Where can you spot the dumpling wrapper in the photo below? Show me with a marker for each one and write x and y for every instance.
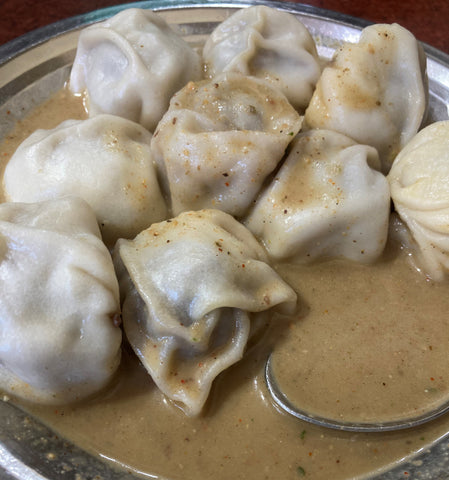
(190, 286)
(374, 91)
(59, 302)
(131, 64)
(419, 183)
(269, 44)
(219, 140)
(106, 160)
(326, 201)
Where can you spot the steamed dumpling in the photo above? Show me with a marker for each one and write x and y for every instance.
(59, 302)
(106, 160)
(419, 182)
(374, 91)
(131, 64)
(326, 201)
(269, 44)
(219, 140)
(190, 286)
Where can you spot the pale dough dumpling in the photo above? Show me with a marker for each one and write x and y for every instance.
(269, 44)
(325, 202)
(59, 302)
(106, 160)
(190, 287)
(131, 64)
(419, 182)
(374, 91)
(219, 140)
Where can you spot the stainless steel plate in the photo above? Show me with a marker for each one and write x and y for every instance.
(35, 66)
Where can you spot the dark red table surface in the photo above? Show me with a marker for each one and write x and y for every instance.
(428, 20)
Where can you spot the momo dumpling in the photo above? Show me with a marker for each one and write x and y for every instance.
(269, 44)
(419, 183)
(326, 201)
(219, 140)
(59, 302)
(374, 91)
(106, 160)
(131, 64)
(192, 287)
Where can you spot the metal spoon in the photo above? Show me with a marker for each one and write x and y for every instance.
(285, 404)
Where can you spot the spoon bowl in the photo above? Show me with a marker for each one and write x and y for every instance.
(282, 401)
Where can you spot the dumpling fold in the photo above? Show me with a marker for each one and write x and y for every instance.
(326, 201)
(106, 160)
(219, 140)
(374, 91)
(190, 288)
(59, 302)
(419, 182)
(131, 64)
(268, 44)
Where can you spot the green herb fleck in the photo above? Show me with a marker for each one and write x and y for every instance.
(291, 134)
(300, 471)
(303, 435)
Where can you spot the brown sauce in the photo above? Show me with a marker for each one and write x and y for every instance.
(373, 344)
(369, 342)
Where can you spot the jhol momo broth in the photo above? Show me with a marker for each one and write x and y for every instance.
(239, 434)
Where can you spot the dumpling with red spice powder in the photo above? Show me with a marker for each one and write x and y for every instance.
(194, 290)
(106, 160)
(326, 201)
(219, 140)
(374, 91)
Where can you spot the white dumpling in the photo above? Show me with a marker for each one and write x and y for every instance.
(326, 201)
(131, 64)
(219, 140)
(190, 285)
(269, 44)
(106, 160)
(374, 91)
(419, 182)
(59, 302)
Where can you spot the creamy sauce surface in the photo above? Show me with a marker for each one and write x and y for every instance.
(372, 345)
(368, 342)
